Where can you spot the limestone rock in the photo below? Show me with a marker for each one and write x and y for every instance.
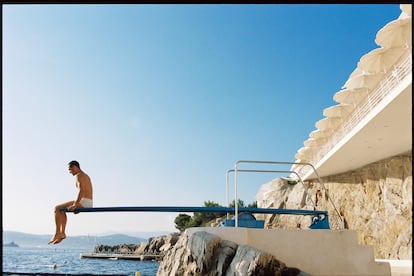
(115, 249)
(141, 248)
(169, 242)
(203, 247)
(192, 255)
(253, 262)
(154, 246)
(225, 255)
(202, 253)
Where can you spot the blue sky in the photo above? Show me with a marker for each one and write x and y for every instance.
(157, 102)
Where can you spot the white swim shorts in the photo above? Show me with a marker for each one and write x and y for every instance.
(86, 202)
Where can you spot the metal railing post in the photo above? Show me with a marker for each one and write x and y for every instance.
(227, 191)
(236, 198)
(277, 162)
(265, 171)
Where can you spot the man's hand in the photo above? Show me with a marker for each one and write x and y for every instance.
(72, 208)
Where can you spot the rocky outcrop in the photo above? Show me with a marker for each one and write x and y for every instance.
(375, 200)
(155, 246)
(202, 253)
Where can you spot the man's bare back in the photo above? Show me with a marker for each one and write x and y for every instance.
(84, 184)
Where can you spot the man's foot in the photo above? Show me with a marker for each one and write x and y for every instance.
(53, 239)
(59, 239)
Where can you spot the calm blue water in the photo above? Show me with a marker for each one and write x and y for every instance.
(42, 260)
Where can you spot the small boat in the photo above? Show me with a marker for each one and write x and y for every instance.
(11, 244)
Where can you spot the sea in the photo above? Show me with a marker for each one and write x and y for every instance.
(48, 260)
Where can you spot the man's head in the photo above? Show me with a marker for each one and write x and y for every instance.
(74, 167)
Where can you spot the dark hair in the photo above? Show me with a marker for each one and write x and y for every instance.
(74, 163)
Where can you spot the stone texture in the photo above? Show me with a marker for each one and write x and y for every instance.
(375, 200)
(155, 246)
(202, 253)
(192, 255)
(225, 255)
(252, 262)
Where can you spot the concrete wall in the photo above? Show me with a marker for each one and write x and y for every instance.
(317, 252)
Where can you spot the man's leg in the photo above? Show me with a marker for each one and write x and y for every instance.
(57, 223)
(63, 224)
(60, 220)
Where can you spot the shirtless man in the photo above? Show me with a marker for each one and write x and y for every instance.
(84, 199)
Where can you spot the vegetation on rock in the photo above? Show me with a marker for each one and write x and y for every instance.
(184, 221)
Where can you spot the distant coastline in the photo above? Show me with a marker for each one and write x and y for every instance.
(11, 244)
(85, 242)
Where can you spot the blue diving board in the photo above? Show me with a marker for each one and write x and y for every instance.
(197, 209)
(245, 219)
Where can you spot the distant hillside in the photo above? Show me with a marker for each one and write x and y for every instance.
(81, 242)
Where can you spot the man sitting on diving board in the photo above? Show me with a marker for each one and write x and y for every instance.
(84, 200)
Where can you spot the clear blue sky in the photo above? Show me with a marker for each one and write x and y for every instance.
(157, 102)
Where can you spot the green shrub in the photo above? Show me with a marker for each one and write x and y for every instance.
(184, 221)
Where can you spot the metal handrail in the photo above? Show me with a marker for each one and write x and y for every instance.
(236, 211)
(264, 171)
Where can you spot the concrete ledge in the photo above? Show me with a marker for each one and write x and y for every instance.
(399, 267)
(317, 252)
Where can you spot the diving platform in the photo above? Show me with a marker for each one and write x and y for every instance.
(244, 219)
(198, 209)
